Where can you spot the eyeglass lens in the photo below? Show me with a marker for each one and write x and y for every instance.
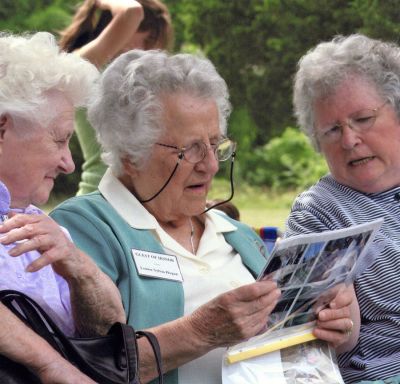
(198, 150)
(360, 122)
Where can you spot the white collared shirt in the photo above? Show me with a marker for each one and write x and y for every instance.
(215, 269)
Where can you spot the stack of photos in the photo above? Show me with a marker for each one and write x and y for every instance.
(309, 269)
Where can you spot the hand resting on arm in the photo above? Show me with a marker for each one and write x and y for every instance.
(93, 295)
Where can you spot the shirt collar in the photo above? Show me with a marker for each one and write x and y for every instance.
(136, 215)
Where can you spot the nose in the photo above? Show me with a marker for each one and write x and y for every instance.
(209, 164)
(350, 138)
(67, 165)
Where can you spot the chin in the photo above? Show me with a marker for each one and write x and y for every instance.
(41, 199)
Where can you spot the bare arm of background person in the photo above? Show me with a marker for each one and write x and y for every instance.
(126, 18)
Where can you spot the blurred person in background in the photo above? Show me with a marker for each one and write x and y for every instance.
(100, 31)
(228, 207)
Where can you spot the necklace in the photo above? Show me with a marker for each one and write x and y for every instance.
(192, 235)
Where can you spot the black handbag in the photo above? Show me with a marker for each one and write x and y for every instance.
(110, 359)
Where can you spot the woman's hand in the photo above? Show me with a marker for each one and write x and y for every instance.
(235, 315)
(95, 299)
(226, 320)
(339, 324)
(43, 234)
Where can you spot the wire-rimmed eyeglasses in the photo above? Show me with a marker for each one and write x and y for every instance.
(197, 151)
(360, 122)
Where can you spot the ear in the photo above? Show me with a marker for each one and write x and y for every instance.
(4, 122)
(128, 167)
(5, 125)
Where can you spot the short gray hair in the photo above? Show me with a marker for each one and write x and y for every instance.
(31, 65)
(126, 112)
(322, 69)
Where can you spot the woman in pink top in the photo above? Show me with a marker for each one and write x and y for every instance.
(40, 88)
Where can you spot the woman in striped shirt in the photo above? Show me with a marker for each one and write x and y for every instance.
(347, 100)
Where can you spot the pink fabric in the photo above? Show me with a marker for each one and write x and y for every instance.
(47, 288)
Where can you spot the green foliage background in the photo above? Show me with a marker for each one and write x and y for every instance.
(255, 44)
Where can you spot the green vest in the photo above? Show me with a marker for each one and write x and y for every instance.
(101, 232)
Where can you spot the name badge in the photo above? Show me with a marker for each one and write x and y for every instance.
(157, 265)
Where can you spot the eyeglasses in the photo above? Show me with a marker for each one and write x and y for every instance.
(197, 151)
(360, 122)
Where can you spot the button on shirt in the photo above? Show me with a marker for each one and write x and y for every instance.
(47, 288)
(215, 269)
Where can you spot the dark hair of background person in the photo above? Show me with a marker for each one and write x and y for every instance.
(89, 22)
(229, 208)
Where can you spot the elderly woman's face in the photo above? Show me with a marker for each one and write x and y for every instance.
(187, 119)
(32, 155)
(365, 155)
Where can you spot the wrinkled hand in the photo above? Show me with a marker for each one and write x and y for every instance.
(41, 233)
(62, 372)
(235, 315)
(335, 324)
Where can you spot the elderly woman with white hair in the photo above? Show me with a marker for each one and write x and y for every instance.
(186, 273)
(39, 89)
(347, 100)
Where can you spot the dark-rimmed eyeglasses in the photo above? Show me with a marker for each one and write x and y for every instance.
(197, 151)
(360, 122)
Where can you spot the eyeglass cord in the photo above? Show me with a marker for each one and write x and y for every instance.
(173, 173)
(232, 186)
(167, 182)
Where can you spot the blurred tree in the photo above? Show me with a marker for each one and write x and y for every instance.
(35, 15)
(255, 44)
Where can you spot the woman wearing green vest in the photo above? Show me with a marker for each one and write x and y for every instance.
(184, 272)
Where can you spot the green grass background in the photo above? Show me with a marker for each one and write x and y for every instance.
(258, 207)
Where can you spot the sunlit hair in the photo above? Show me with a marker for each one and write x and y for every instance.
(89, 21)
(31, 65)
(127, 111)
(324, 67)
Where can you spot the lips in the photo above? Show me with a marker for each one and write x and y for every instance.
(361, 161)
(193, 186)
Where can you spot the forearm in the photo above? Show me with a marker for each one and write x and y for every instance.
(116, 36)
(179, 344)
(119, 6)
(21, 344)
(95, 300)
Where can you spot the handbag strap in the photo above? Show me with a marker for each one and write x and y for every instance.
(34, 316)
(152, 339)
(130, 349)
(31, 314)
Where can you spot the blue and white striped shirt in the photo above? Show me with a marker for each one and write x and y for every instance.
(329, 205)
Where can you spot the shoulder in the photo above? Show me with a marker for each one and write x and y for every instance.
(327, 205)
(92, 202)
(85, 213)
(240, 227)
